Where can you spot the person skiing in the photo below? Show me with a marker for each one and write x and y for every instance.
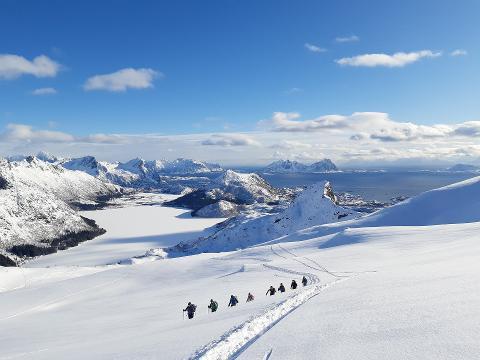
(233, 301)
(190, 309)
(250, 297)
(213, 305)
(304, 281)
(294, 285)
(271, 291)
(281, 288)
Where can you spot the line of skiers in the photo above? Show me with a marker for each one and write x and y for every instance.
(213, 306)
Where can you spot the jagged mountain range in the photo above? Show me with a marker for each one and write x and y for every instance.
(40, 195)
(288, 166)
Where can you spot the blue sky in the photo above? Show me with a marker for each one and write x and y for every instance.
(223, 66)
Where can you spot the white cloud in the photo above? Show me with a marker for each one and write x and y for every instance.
(459, 52)
(379, 139)
(364, 125)
(14, 66)
(314, 48)
(44, 91)
(26, 133)
(469, 128)
(122, 80)
(398, 59)
(230, 140)
(293, 90)
(343, 39)
(290, 145)
(287, 122)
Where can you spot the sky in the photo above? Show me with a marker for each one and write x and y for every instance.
(242, 82)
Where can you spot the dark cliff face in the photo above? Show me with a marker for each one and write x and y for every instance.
(3, 183)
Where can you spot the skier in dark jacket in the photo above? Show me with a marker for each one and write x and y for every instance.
(271, 291)
(250, 297)
(213, 305)
(190, 309)
(233, 301)
(294, 285)
(304, 281)
(281, 288)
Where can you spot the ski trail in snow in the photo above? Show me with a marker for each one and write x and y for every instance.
(321, 267)
(312, 279)
(61, 298)
(16, 356)
(268, 354)
(231, 344)
(276, 253)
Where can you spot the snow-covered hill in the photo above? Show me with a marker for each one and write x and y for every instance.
(247, 188)
(452, 204)
(314, 206)
(234, 189)
(34, 220)
(288, 166)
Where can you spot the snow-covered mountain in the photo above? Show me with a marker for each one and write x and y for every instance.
(315, 205)
(35, 218)
(73, 187)
(288, 166)
(233, 189)
(141, 173)
(246, 188)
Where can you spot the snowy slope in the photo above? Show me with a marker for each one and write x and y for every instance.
(383, 292)
(313, 206)
(452, 204)
(402, 293)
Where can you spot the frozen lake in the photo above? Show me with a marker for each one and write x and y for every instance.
(131, 230)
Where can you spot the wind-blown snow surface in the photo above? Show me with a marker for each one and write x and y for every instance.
(401, 292)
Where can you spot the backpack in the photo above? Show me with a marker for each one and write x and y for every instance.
(214, 306)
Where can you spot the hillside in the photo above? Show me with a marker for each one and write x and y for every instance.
(316, 205)
(35, 221)
(380, 293)
(453, 204)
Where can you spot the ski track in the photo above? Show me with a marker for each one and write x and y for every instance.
(235, 341)
(61, 298)
(321, 267)
(268, 353)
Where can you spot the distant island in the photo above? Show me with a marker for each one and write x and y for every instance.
(463, 168)
(288, 166)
